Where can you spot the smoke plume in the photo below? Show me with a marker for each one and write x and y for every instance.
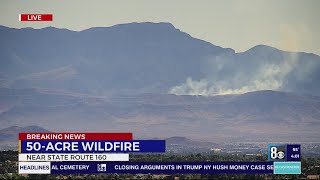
(241, 74)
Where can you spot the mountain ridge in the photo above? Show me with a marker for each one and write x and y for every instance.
(9, 135)
(258, 114)
(137, 58)
(141, 78)
(168, 24)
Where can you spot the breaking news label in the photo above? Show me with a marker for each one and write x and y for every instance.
(86, 153)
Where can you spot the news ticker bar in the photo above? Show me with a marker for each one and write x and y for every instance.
(73, 157)
(91, 146)
(160, 167)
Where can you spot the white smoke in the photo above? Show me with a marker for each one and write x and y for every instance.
(228, 77)
(192, 87)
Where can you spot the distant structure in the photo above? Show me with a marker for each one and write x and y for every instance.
(216, 150)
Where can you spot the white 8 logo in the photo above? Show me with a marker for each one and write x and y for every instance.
(273, 153)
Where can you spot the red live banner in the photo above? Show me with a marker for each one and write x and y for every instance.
(75, 136)
(35, 17)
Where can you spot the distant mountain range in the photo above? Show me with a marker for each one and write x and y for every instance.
(178, 140)
(269, 115)
(140, 58)
(145, 78)
(10, 135)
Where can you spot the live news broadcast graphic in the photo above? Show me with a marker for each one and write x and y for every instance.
(284, 152)
(92, 153)
(286, 158)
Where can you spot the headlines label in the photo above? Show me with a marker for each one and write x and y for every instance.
(34, 168)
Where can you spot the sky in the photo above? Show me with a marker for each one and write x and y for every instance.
(292, 25)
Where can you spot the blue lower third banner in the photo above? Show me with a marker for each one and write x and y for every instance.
(86, 146)
(148, 167)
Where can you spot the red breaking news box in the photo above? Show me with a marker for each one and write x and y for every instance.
(75, 136)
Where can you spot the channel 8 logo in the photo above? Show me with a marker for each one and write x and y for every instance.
(277, 152)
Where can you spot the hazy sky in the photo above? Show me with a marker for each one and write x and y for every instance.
(240, 24)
